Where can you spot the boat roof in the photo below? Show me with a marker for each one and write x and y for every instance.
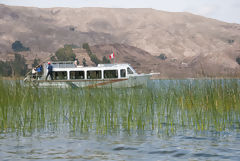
(69, 65)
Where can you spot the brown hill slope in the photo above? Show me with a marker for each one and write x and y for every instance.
(143, 61)
(189, 41)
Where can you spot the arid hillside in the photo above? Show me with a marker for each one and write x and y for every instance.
(193, 45)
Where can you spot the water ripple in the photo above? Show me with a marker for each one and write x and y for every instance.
(179, 155)
(163, 152)
(205, 155)
(124, 148)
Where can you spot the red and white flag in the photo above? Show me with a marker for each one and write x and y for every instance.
(112, 56)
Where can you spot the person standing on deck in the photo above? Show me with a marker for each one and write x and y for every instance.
(75, 63)
(50, 71)
(34, 72)
(39, 71)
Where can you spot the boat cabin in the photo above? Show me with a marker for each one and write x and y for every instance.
(68, 71)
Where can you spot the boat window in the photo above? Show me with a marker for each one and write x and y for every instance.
(94, 74)
(129, 71)
(76, 74)
(123, 72)
(110, 73)
(60, 75)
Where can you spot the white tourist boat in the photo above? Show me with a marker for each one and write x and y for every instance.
(66, 74)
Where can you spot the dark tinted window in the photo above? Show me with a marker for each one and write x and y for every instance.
(94, 74)
(129, 71)
(60, 75)
(77, 75)
(123, 72)
(110, 74)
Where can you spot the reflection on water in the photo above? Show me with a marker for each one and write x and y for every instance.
(169, 120)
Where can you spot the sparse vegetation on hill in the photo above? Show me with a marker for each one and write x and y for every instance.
(5, 69)
(35, 62)
(238, 60)
(84, 62)
(65, 54)
(17, 67)
(86, 47)
(72, 45)
(105, 60)
(17, 46)
(230, 41)
(53, 58)
(93, 57)
(162, 56)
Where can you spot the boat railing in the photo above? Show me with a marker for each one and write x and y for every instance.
(33, 77)
(63, 64)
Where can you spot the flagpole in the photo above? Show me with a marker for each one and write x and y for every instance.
(112, 57)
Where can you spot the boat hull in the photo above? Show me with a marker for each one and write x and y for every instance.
(133, 81)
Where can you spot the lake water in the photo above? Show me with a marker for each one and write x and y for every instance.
(59, 141)
(65, 146)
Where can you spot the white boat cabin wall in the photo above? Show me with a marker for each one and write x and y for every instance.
(68, 71)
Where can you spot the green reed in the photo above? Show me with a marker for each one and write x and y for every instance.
(164, 108)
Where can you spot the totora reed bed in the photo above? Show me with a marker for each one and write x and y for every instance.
(162, 108)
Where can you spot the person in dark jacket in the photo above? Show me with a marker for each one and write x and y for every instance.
(50, 71)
